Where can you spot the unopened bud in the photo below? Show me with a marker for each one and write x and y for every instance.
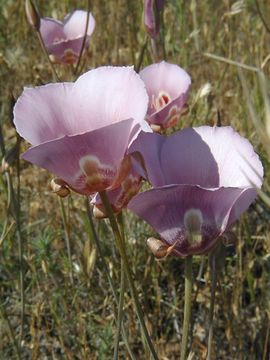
(32, 14)
(151, 18)
(99, 212)
(156, 128)
(54, 59)
(59, 187)
(158, 248)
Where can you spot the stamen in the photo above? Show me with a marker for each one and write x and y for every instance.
(160, 101)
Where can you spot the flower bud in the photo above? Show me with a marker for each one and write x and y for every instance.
(99, 212)
(156, 128)
(158, 248)
(32, 14)
(59, 187)
(151, 21)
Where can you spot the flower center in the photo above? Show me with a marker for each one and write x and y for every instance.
(193, 223)
(95, 175)
(160, 101)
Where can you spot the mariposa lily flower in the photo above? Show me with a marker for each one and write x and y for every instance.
(204, 178)
(64, 40)
(151, 16)
(167, 86)
(81, 131)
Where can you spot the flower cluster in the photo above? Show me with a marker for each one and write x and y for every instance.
(95, 134)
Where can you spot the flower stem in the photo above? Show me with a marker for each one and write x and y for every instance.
(122, 294)
(56, 77)
(187, 308)
(212, 306)
(121, 247)
(119, 312)
(84, 38)
(106, 270)
(67, 238)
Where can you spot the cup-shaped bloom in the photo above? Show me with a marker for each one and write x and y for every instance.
(204, 178)
(64, 40)
(151, 16)
(81, 131)
(167, 86)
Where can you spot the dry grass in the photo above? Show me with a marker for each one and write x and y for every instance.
(75, 321)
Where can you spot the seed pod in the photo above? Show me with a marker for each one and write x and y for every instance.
(59, 187)
(156, 128)
(99, 212)
(158, 248)
(32, 14)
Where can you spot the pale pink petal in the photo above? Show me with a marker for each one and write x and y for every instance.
(51, 31)
(99, 98)
(44, 113)
(205, 156)
(187, 159)
(241, 204)
(182, 158)
(75, 23)
(108, 95)
(165, 208)
(238, 164)
(84, 161)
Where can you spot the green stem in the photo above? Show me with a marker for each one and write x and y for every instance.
(212, 306)
(187, 308)
(122, 294)
(121, 247)
(141, 56)
(84, 38)
(107, 272)
(120, 312)
(56, 77)
(67, 237)
(154, 50)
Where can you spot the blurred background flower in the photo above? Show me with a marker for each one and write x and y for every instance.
(64, 40)
(167, 86)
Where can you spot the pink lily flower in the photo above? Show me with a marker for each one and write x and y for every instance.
(81, 131)
(204, 178)
(167, 86)
(64, 40)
